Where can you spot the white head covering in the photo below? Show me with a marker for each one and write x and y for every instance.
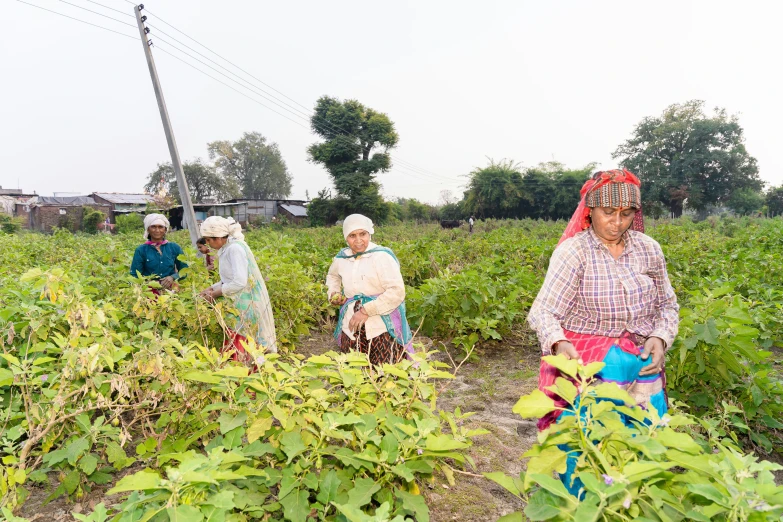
(154, 219)
(217, 226)
(357, 222)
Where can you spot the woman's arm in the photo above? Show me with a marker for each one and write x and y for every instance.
(667, 319)
(236, 276)
(388, 273)
(556, 298)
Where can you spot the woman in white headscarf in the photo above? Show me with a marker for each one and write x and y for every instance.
(242, 282)
(158, 257)
(366, 282)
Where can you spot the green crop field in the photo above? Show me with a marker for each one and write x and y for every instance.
(118, 406)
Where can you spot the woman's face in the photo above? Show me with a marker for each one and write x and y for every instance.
(204, 249)
(157, 232)
(358, 241)
(216, 243)
(610, 223)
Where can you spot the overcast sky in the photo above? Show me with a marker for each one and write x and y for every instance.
(462, 81)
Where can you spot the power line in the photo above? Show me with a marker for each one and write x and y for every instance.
(79, 20)
(396, 158)
(111, 8)
(96, 12)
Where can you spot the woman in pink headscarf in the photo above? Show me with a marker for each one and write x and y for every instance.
(607, 297)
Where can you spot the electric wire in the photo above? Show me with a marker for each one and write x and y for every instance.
(111, 8)
(96, 12)
(79, 20)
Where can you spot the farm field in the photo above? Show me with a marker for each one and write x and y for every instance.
(112, 400)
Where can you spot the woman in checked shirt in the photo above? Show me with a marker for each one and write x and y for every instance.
(607, 296)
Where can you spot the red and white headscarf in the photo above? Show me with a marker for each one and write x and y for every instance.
(608, 188)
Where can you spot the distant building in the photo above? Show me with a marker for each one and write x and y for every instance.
(266, 209)
(293, 213)
(204, 210)
(122, 203)
(45, 213)
(10, 192)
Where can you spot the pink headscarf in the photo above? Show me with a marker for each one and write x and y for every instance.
(581, 219)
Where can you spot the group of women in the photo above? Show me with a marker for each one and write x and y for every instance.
(606, 296)
(364, 280)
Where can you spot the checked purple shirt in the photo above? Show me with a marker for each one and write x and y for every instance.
(589, 292)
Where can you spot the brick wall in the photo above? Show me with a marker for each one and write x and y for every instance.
(45, 218)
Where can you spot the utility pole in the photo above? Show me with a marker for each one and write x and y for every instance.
(189, 216)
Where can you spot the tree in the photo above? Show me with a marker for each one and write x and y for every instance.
(256, 167)
(745, 201)
(552, 190)
(351, 132)
(686, 156)
(494, 191)
(203, 180)
(774, 201)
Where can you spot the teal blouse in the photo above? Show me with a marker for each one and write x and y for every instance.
(149, 262)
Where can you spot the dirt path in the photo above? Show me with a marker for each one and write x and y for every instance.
(489, 385)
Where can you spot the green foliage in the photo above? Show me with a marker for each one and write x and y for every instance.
(90, 219)
(684, 154)
(774, 201)
(745, 201)
(351, 132)
(129, 223)
(10, 224)
(204, 182)
(251, 166)
(634, 465)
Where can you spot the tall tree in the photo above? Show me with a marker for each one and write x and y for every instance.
(495, 191)
(257, 167)
(355, 149)
(552, 190)
(203, 180)
(745, 201)
(686, 155)
(774, 201)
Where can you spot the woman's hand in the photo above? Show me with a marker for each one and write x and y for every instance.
(653, 347)
(338, 299)
(208, 295)
(167, 282)
(567, 350)
(358, 320)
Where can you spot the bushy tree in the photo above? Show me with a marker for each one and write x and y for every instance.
(495, 191)
(203, 180)
(90, 219)
(355, 149)
(254, 167)
(745, 201)
(774, 201)
(687, 155)
(129, 223)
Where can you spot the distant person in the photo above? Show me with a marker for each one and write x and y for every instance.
(157, 256)
(202, 246)
(365, 281)
(242, 282)
(470, 223)
(607, 298)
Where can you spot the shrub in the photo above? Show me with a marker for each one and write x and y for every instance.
(129, 223)
(90, 219)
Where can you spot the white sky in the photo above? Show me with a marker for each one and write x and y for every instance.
(529, 81)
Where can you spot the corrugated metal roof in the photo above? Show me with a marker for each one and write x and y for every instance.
(125, 199)
(65, 201)
(295, 210)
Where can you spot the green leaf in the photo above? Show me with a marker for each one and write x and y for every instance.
(362, 492)
(414, 504)
(401, 470)
(569, 367)
(444, 442)
(534, 405)
(565, 389)
(229, 422)
(709, 492)
(390, 445)
(555, 487)
(609, 390)
(142, 480)
(202, 377)
(88, 463)
(292, 444)
(330, 483)
(6, 377)
(537, 512)
(296, 506)
(76, 449)
(72, 481)
(504, 480)
(681, 441)
(517, 517)
(185, 513)
(258, 428)
(638, 471)
(550, 459)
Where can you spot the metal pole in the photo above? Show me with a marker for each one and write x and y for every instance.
(189, 216)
